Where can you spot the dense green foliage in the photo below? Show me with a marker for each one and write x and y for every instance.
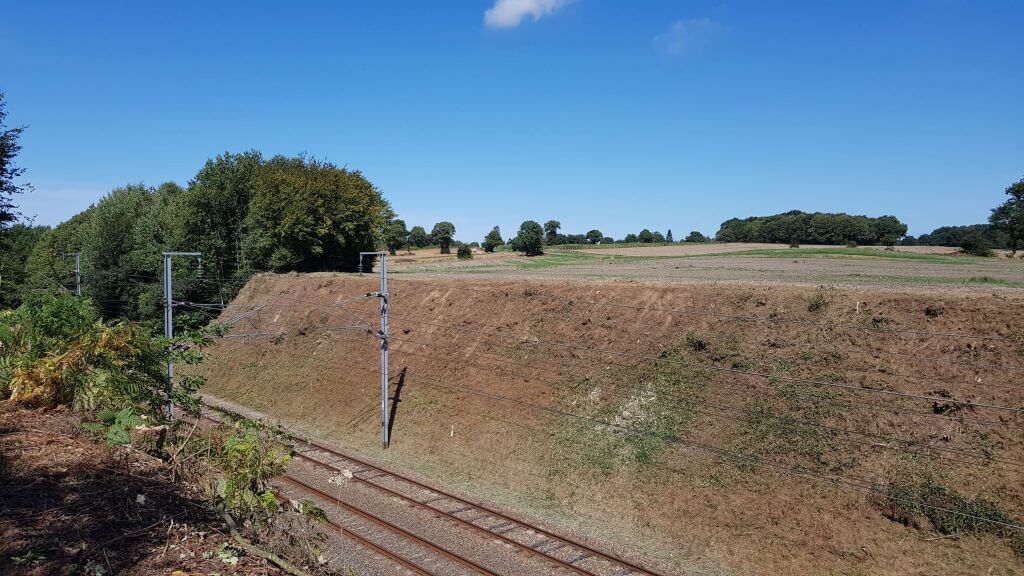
(307, 215)
(696, 236)
(443, 234)
(955, 236)
(243, 213)
(396, 236)
(492, 240)
(551, 228)
(976, 245)
(9, 148)
(56, 350)
(594, 236)
(1008, 217)
(645, 236)
(816, 228)
(464, 252)
(16, 244)
(418, 237)
(530, 240)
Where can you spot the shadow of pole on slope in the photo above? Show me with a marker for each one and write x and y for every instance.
(395, 399)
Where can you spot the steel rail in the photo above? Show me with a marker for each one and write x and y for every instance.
(592, 552)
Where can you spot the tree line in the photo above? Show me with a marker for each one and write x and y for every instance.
(796, 227)
(243, 212)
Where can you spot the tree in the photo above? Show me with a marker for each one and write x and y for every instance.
(645, 236)
(658, 237)
(816, 228)
(607, 240)
(976, 245)
(530, 240)
(1008, 217)
(668, 236)
(210, 215)
(551, 228)
(465, 252)
(9, 148)
(396, 236)
(418, 237)
(443, 233)
(309, 215)
(594, 236)
(492, 240)
(16, 245)
(696, 236)
(630, 239)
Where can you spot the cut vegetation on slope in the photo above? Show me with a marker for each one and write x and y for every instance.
(758, 429)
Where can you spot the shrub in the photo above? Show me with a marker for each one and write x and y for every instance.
(249, 456)
(851, 244)
(696, 343)
(821, 300)
(976, 245)
(464, 252)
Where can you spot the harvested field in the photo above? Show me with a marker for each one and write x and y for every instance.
(860, 268)
(724, 429)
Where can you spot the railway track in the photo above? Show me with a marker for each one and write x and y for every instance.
(563, 554)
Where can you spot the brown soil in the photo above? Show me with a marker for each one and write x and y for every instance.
(73, 506)
(592, 349)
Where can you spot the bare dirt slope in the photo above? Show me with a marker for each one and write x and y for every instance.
(713, 428)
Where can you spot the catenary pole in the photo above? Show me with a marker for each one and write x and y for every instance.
(385, 437)
(78, 271)
(169, 320)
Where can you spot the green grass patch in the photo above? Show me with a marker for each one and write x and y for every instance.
(790, 422)
(636, 412)
(915, 496)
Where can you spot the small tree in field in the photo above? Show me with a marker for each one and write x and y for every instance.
(530, 240)
(976, 245)
(696, 236)
(418, 237)
(645, 236)
(396, 236)
(658, 237)
(551, 228)
(668, 236)
(464, 252)
(492, 240)
(594, 236)
(443, 233)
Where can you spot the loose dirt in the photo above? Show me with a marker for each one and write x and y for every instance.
(69, 505)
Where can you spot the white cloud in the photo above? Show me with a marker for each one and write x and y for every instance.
(685, 36)
(509, 13)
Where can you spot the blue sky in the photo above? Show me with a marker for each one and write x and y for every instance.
(598, 113)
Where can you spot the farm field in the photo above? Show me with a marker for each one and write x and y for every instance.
(923, 267)
(747, 414)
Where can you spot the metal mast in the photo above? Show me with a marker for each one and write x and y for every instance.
(78, 271)
(383, 335)
(169, 320)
